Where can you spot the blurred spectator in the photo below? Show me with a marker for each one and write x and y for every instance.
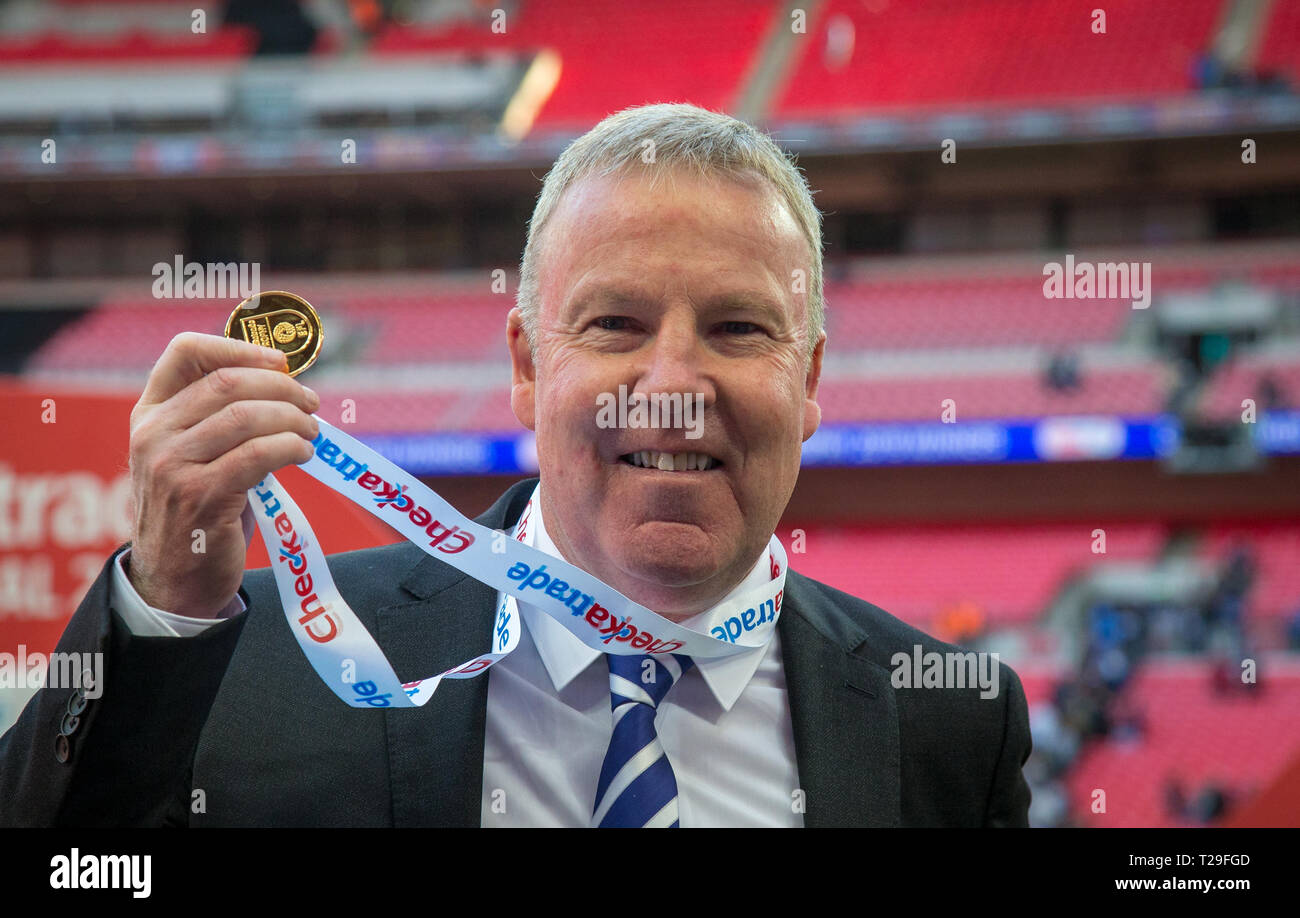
(1209, 805)
(1113, 668)
(1208, 72)
(1055, 745)
(838, 50)
(1105, 630)
(1049, 807)
(1130, 722)
(1223, 610)
(282, 26)
(1238, 573)
(1063, 372)
(1222, 677)
(1083, 709)
(1271, 396)
(1175, 799)
(960, 623)
(1293, 631)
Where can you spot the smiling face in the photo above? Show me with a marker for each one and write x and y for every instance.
(686, 287)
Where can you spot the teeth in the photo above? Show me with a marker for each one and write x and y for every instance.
(671, 462)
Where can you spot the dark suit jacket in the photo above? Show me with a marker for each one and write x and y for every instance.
(238, 714)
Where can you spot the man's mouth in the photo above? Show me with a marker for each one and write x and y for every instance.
(670, 462)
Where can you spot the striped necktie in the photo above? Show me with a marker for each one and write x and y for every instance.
(637, 788)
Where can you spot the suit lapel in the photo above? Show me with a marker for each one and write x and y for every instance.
(843, 712)
(435, 753)
(842, 707)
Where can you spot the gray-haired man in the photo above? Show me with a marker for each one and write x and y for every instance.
(673, 250)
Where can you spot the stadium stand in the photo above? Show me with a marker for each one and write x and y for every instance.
(1274, 549)
(138, 331)
(616, 58)
(931, 52)
(424, 329)
(1192, 735)
(1011, 572)
(1271, 379)
(1135, 391)
(914, 303)
(53, 48)
(921, 312)
(1279, 50)
(905, 335)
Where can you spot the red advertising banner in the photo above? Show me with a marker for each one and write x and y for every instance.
(65, 504)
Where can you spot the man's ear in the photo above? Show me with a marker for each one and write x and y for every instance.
(812, 412)
(523, 372)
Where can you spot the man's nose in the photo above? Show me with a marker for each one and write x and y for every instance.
(676, 360)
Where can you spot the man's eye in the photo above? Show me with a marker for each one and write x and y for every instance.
(740, 328)
(611, 323)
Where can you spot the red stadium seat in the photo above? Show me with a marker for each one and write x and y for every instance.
(1275, 550)
(1137, 391)
(228, 42)
(1245, 378)
(1193, 735)
(945, 52)
(615, 58)
(1012, 572)
(1279, 50)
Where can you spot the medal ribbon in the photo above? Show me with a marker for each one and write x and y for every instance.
(350, 661)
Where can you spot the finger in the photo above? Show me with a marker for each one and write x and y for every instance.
(249, 524)
(191, 355)
(251, 461)
(239, 421)
(226, 385)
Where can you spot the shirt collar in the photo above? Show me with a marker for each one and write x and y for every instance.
(564, 656)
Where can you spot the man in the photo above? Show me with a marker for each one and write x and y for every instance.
(672, 250)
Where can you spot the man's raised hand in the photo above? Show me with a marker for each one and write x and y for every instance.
(216, 417)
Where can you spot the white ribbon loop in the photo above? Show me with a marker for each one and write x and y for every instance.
(351, 663)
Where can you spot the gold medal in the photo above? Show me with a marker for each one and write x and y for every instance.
(280, 320)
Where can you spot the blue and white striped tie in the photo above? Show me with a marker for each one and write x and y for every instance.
(637, 788)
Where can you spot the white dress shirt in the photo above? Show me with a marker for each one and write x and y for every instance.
(725, 726)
